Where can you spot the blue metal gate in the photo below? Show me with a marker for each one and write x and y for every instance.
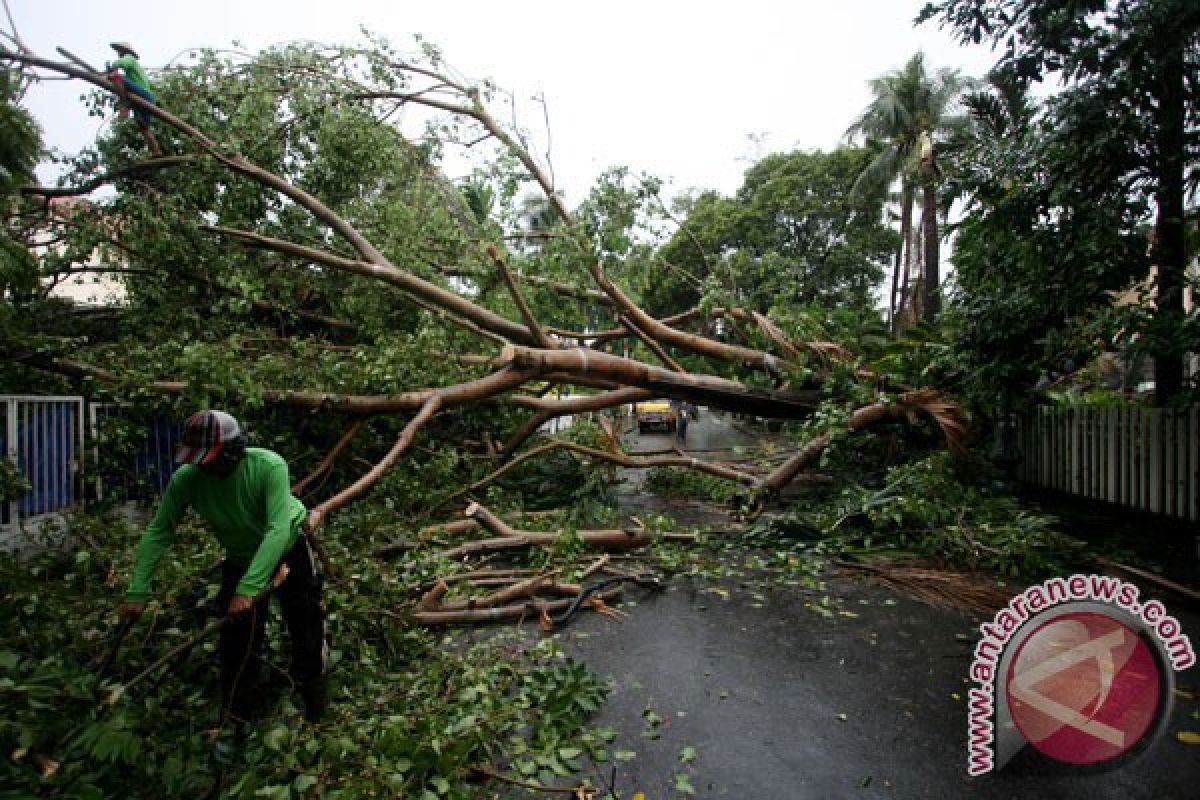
(42, 437)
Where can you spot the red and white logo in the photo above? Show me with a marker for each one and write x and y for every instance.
(1084, 688)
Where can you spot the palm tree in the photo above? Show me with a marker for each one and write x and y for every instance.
(910, 112)
(480, 198)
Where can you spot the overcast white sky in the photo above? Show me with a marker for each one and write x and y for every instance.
(672, 88)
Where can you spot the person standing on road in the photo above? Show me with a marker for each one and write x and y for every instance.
(244, 495)
(681, 425)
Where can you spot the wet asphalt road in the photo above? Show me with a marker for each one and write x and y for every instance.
(780, 701)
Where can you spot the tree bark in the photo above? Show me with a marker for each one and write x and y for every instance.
(931, 304)
(1170, 243)
(906, 209)
(702, 389)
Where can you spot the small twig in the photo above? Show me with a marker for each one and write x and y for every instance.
(535, 787)
(597, 565)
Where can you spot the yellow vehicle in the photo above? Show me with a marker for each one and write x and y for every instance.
(655, 414)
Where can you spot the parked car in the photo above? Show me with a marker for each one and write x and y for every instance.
(654, 414)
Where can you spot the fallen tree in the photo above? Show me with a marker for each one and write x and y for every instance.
(282, 232)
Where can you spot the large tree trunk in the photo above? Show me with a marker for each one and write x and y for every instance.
(902, 253)
(931, 290)
(1170, 246)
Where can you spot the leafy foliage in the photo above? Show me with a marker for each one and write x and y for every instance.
(793, 235)
(931, 508)
(1122, 133)
(412, 713)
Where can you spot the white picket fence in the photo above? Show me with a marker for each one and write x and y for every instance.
(1146, 459)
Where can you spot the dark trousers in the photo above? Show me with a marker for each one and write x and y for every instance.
(241, 640)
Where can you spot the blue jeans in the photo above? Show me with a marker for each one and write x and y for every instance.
(143, 119)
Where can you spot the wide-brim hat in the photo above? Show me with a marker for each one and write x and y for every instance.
(205, 435)
(123, 48)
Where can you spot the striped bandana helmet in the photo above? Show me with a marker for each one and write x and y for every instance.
(205, 435)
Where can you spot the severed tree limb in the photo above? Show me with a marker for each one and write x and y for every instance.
(433, 598)
(529, 587)
(330, 458)
(528, 428)
(532, 609)
(509, 538)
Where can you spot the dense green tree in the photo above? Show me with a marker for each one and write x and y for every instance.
(793, 235)
(20, 149)
(1035, 259)
(911, 112)
(1131, 70)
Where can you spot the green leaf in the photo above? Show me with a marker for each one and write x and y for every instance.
(304, 782)
(687, 755)
(276, 737)
(684, 784)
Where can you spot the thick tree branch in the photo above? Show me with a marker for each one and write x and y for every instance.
(946, 415)
(526, 312)
(654, 346)
(703, 389)
(149, 165)
(360, 486)
(235, 162)
(458, 394)
(509, 538)
(406, 281)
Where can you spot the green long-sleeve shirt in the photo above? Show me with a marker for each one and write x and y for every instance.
(252, 512)
(133, 71)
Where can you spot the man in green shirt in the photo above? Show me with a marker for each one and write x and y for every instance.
(127, 73)
(244, 495)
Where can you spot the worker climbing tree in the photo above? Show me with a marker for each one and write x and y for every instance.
(127, 73)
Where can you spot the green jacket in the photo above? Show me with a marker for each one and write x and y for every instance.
(252, 512)
(133, 71)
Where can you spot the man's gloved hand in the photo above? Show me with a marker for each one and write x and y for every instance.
(131, 610)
